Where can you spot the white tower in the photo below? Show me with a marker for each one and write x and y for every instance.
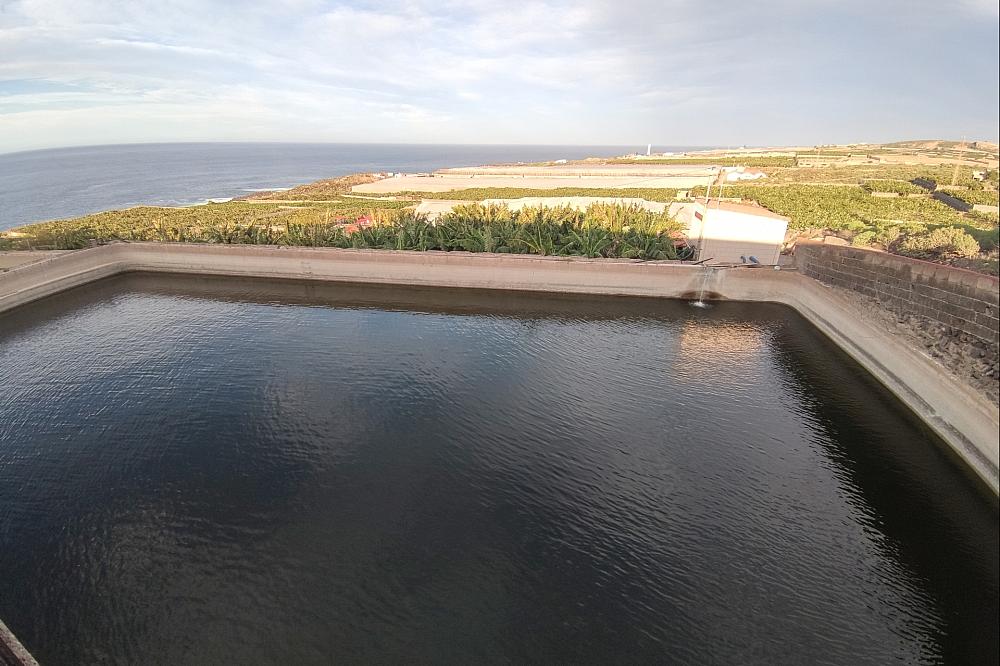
(649, 149)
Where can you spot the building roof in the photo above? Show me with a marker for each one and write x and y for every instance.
(744, 207)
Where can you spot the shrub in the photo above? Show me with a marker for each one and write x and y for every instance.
(942, 242)
(989, 239)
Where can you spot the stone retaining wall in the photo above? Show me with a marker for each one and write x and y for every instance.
(962, 300)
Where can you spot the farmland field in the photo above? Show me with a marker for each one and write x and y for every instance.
(835, 200)
(602, 230)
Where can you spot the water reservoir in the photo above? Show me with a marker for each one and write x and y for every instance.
(214, 470)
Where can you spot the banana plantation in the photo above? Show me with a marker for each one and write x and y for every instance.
(602, 230)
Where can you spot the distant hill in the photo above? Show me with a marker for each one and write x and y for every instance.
(933, 144)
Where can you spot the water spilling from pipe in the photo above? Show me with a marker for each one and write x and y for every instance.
(700, 303)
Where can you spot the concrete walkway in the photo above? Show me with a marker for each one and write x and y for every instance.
(9, 260)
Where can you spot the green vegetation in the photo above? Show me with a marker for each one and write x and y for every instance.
(974, 197)
(856, 174)
(984, 228)
(830, 199)
(984, 220)
(988, 239)
(944, 175)
(934, 243)
(924, 144)
(852, 208)
(901, 187)
(600, 231)
(709, 160)
(918, 227)
(321, 190)
(943, 242)
(205, 224)
(483, 193)
(827, 153)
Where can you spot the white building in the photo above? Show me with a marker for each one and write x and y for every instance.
(730, 233)
(736, 174)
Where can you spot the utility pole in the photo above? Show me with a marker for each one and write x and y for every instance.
(954, 175)
(702, 217)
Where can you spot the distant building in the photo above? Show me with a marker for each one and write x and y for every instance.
(742, 173)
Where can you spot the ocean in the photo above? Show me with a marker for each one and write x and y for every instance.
(66, 182)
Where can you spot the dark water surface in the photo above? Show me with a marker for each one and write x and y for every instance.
(65, 182)
(212, 471)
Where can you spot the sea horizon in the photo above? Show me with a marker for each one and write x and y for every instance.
(656, 147)
(55, 183)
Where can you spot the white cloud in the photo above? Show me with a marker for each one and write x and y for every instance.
(591, 71)
(157, 46)
(983, 7)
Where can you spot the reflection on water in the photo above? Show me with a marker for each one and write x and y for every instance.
(215, 471)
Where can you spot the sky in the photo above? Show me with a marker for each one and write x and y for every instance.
(667, 72)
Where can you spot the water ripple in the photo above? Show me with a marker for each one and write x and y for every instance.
(196, 472)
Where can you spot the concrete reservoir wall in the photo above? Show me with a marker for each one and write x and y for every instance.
(964, 419)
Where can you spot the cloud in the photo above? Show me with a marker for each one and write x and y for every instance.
(983, 7)
(157, 46)
(547, 71)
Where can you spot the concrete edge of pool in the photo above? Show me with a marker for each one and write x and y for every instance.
(961, 417)
(12, 653)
